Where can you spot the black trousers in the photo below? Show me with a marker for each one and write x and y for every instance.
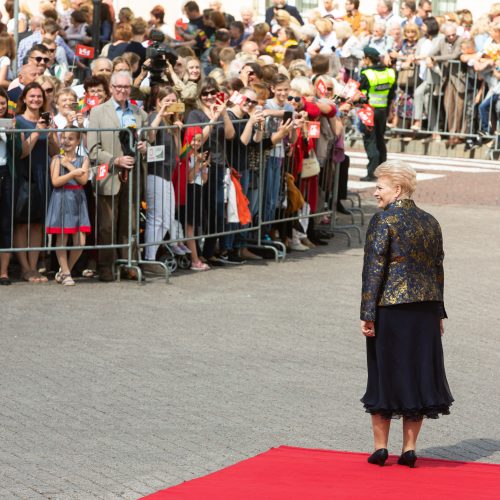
(373, 140)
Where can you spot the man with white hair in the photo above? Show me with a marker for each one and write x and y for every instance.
(113, 202)
(385, 12)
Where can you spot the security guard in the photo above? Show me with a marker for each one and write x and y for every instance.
(377, 82)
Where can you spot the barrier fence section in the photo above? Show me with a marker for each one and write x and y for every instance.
(189, 191)
(451, 100)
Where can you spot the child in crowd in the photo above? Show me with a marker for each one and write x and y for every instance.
(189, 179)
(67, 213)
(274, 110)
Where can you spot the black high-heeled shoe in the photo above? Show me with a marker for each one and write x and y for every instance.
(378, 457)
(408, 458)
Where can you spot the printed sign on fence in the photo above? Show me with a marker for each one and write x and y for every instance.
(313, 129)
(84, 51)
(102, 171)
(156, 153)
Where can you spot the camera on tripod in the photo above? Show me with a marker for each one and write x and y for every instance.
(159, 54)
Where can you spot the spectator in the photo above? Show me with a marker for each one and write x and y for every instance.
(385, 12)
(424, 9)
(208, 115)
(121, 38)
(50, 86)
(325, 41)
(247, 20)
(27, 74)
(353, 16)
(160, 195)
(448, 49)
(76, 32)
(157, 21)
(216, 5)
(7, 52)
(429, 78)
(113, 200)
(37, 148)
(282, 5)
(409, 13)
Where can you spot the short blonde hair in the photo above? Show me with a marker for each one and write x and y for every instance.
(400, 174)
(302, 85)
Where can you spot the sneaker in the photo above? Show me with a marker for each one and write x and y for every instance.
(199, 266)
(177, 250)
(267, 238)
(184, 248)
(298, 247)
(234, 258)
(230, 258)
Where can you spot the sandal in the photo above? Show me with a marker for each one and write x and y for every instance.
(67, 280)
(88, 273)
(31, 276)
(41, 278)
(199, 266)
(58, 277)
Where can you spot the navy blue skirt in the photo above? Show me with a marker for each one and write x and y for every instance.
(406, 374)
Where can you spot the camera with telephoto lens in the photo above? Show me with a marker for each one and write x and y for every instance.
(159, 54)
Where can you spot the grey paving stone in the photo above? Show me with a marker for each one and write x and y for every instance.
(116, 391)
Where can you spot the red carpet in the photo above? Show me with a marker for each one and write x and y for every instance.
(287, 473)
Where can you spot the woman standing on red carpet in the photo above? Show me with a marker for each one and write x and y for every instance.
(402, 313)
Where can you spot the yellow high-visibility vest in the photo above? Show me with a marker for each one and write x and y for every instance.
(380, 82)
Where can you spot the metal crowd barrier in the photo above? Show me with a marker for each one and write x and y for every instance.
(445, 103)
(137, 216)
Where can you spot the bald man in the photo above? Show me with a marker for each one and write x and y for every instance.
(27, 74)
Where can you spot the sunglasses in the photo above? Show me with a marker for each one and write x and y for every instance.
(251, 102)
(206, 93)
(292, 98)
(49, 90)
(52, 51)
(39, 59)
(330, 89)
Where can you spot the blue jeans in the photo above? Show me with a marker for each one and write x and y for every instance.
(272, 184)
(487, 112)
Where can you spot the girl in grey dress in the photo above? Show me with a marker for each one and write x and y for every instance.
(68, 213)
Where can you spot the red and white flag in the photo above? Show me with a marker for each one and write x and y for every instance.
(237, 98)
(102, 171)
(313, 129)
(84, 51)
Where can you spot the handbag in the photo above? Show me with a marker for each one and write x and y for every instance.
(310, 166)
(406, 76)
(29, 207)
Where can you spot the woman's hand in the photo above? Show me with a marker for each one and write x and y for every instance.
(368, 328)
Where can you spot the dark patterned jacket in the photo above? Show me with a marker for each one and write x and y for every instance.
(403, 260)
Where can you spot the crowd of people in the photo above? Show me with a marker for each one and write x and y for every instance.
(209, 92)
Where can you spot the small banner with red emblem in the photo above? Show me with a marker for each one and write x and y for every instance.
(102, 171)
(367, 115)
(321, 87)
(84, 51)
(313, 129)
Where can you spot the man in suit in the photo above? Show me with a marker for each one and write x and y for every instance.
(113, 194)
